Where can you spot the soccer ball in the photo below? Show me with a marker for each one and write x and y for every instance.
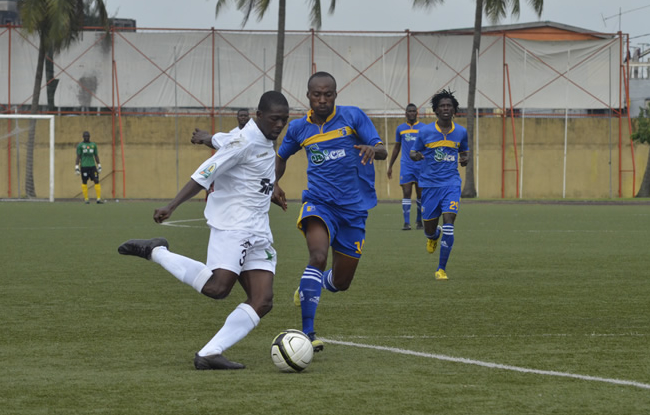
(291, 351)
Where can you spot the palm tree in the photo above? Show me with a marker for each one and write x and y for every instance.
(260, 7)
(58, 23)
(495, 10)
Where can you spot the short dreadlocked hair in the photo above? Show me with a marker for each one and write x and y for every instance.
(435, 100)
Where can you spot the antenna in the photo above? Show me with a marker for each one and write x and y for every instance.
(619, 14)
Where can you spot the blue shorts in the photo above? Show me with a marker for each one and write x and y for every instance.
(439, 200)
(409, 174)
(346, 228)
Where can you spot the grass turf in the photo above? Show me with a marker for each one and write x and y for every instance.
(558, 288)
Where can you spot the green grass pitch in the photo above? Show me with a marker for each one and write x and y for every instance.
(547, 290)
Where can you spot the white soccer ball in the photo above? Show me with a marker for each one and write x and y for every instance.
(291, 351)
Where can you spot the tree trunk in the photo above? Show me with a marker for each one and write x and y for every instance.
(279, 52)
(30, 190)
(469, 190)
(644, 190)
(50, 81)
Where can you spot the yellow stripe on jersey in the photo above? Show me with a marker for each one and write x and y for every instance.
(443, 143)
(331, 135)
(408, 131)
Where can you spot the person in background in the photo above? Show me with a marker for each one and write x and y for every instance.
(88, 166)
(405, 136)
(442, 146)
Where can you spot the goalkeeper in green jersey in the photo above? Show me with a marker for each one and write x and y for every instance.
(87, 165)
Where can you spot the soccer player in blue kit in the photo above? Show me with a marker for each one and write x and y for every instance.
(442, 145)
(405, 136)
(340, 143)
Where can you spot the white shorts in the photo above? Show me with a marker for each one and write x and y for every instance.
(240, 251)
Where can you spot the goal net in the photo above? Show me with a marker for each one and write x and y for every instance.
(27, 168)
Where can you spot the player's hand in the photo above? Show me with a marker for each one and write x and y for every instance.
(464, 158)
(76, 170)
(162, 214)
(389, 172)
(279, 197)
(200, 136)
(416, 155)
(367, 153)
(99, 168)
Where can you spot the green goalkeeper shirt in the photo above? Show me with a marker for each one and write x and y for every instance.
(87, 152)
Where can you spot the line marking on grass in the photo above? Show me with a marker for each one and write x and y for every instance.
(491, 365)
(177, 223)
(491, 336)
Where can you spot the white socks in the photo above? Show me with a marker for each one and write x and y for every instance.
(239, 323)
(187, 270)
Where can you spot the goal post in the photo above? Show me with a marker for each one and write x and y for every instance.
(51, 152)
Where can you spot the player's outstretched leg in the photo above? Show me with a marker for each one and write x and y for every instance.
(141, 247)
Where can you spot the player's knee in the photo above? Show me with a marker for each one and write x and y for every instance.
(342, 285)
(216, 289)
(318, 259)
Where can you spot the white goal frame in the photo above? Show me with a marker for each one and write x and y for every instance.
(40, 117)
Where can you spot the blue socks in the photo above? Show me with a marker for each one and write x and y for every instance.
(328, 284)
(446, 242)
(406, 209)
(310, 289)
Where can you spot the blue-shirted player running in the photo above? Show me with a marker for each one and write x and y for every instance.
(442, 145)
(340, 143)
(405, 136)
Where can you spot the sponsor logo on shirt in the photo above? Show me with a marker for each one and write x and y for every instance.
(267, 186)
(408, 137)
(319, 157)
(208, 170)
(441, 156)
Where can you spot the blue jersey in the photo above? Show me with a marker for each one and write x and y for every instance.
(440, 164)
(406, 135)
(335, 175)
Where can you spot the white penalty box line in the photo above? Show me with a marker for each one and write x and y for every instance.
(491, 365)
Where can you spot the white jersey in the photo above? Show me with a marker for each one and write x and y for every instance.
(243, 173)
(218, 137)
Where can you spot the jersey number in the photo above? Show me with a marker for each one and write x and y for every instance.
(359, 246)
(453, 206)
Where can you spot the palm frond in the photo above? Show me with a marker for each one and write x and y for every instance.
(427, 4)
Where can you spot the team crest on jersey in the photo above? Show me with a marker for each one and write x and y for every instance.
(319, 157)
(441, 156)
(311, 208)
(208, 170)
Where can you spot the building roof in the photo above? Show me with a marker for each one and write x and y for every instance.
(541, 30)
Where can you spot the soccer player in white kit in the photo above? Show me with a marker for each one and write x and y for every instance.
(240, 246)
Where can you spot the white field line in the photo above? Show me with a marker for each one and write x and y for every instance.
(177, 223)
(481, 336)
(492, 365)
